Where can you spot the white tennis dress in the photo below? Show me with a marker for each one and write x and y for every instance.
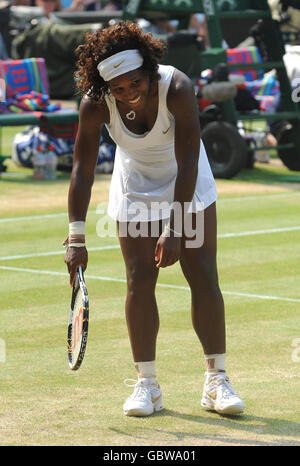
(145, 167)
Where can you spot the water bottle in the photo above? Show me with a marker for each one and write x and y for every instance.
(39, 163)
(51, 163)
(260, 139)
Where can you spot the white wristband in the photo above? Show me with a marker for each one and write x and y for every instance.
(77, 228)
(76, 245)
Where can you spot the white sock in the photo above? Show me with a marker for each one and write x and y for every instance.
(146, 369)
(215, 362)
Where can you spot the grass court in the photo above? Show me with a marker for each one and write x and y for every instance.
(44, 403)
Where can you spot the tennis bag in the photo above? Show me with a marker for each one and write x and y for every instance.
(25, 143)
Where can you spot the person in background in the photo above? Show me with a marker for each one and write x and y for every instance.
(198, 24)
(3, 51)
(79, 5)
(157, 26)
(49, 7)
(112, 5)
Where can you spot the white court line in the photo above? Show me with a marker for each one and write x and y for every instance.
(259, 232)
(116, 246)
(226, 199)
(260, 196)
(38, 217)
(161, 285)
(55, 253)
(32, 217)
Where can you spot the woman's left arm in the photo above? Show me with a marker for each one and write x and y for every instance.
(182, 104)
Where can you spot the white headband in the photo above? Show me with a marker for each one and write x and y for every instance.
(120, 63)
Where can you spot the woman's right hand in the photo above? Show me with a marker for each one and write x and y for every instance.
(167, 250)
(74, 258)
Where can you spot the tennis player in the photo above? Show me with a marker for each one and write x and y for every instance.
(150, 112)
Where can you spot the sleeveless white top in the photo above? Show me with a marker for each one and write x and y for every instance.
(145, 166)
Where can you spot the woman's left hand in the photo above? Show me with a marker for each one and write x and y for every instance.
(167, 250)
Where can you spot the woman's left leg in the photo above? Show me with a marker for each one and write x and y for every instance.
(199, 266)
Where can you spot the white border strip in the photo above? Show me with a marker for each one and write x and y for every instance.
(161, 285)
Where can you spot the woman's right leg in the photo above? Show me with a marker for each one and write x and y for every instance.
(142, 322)
(141, 308)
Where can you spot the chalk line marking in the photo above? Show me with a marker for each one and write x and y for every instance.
(116, 246)
(160, 285)
(226, 199)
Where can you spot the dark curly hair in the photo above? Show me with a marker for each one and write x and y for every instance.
(102, 44)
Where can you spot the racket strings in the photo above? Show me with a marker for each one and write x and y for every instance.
(78, 323)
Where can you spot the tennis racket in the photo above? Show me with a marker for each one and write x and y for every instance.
(78, 322)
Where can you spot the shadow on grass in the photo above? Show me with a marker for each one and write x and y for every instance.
(260, 426)
(269, 174)
(249, 424)
(273, 173)
(26, 178)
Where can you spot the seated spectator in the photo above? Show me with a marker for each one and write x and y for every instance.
(23, 3)
(79, 5)
(49, 7)
(112, 5)
(3, 51)
(158, 25)
(198, 24)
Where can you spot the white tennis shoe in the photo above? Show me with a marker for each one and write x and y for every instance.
(145, 399)
(219, 395)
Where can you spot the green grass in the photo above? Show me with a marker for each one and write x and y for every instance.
(44, 403)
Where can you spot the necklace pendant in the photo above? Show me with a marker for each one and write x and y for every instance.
(131, 115)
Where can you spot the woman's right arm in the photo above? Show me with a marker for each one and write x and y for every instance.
(91, 118)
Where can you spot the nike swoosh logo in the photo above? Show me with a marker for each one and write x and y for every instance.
(211, 395)
(165, 132)
(154, 399)
(116, 66)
